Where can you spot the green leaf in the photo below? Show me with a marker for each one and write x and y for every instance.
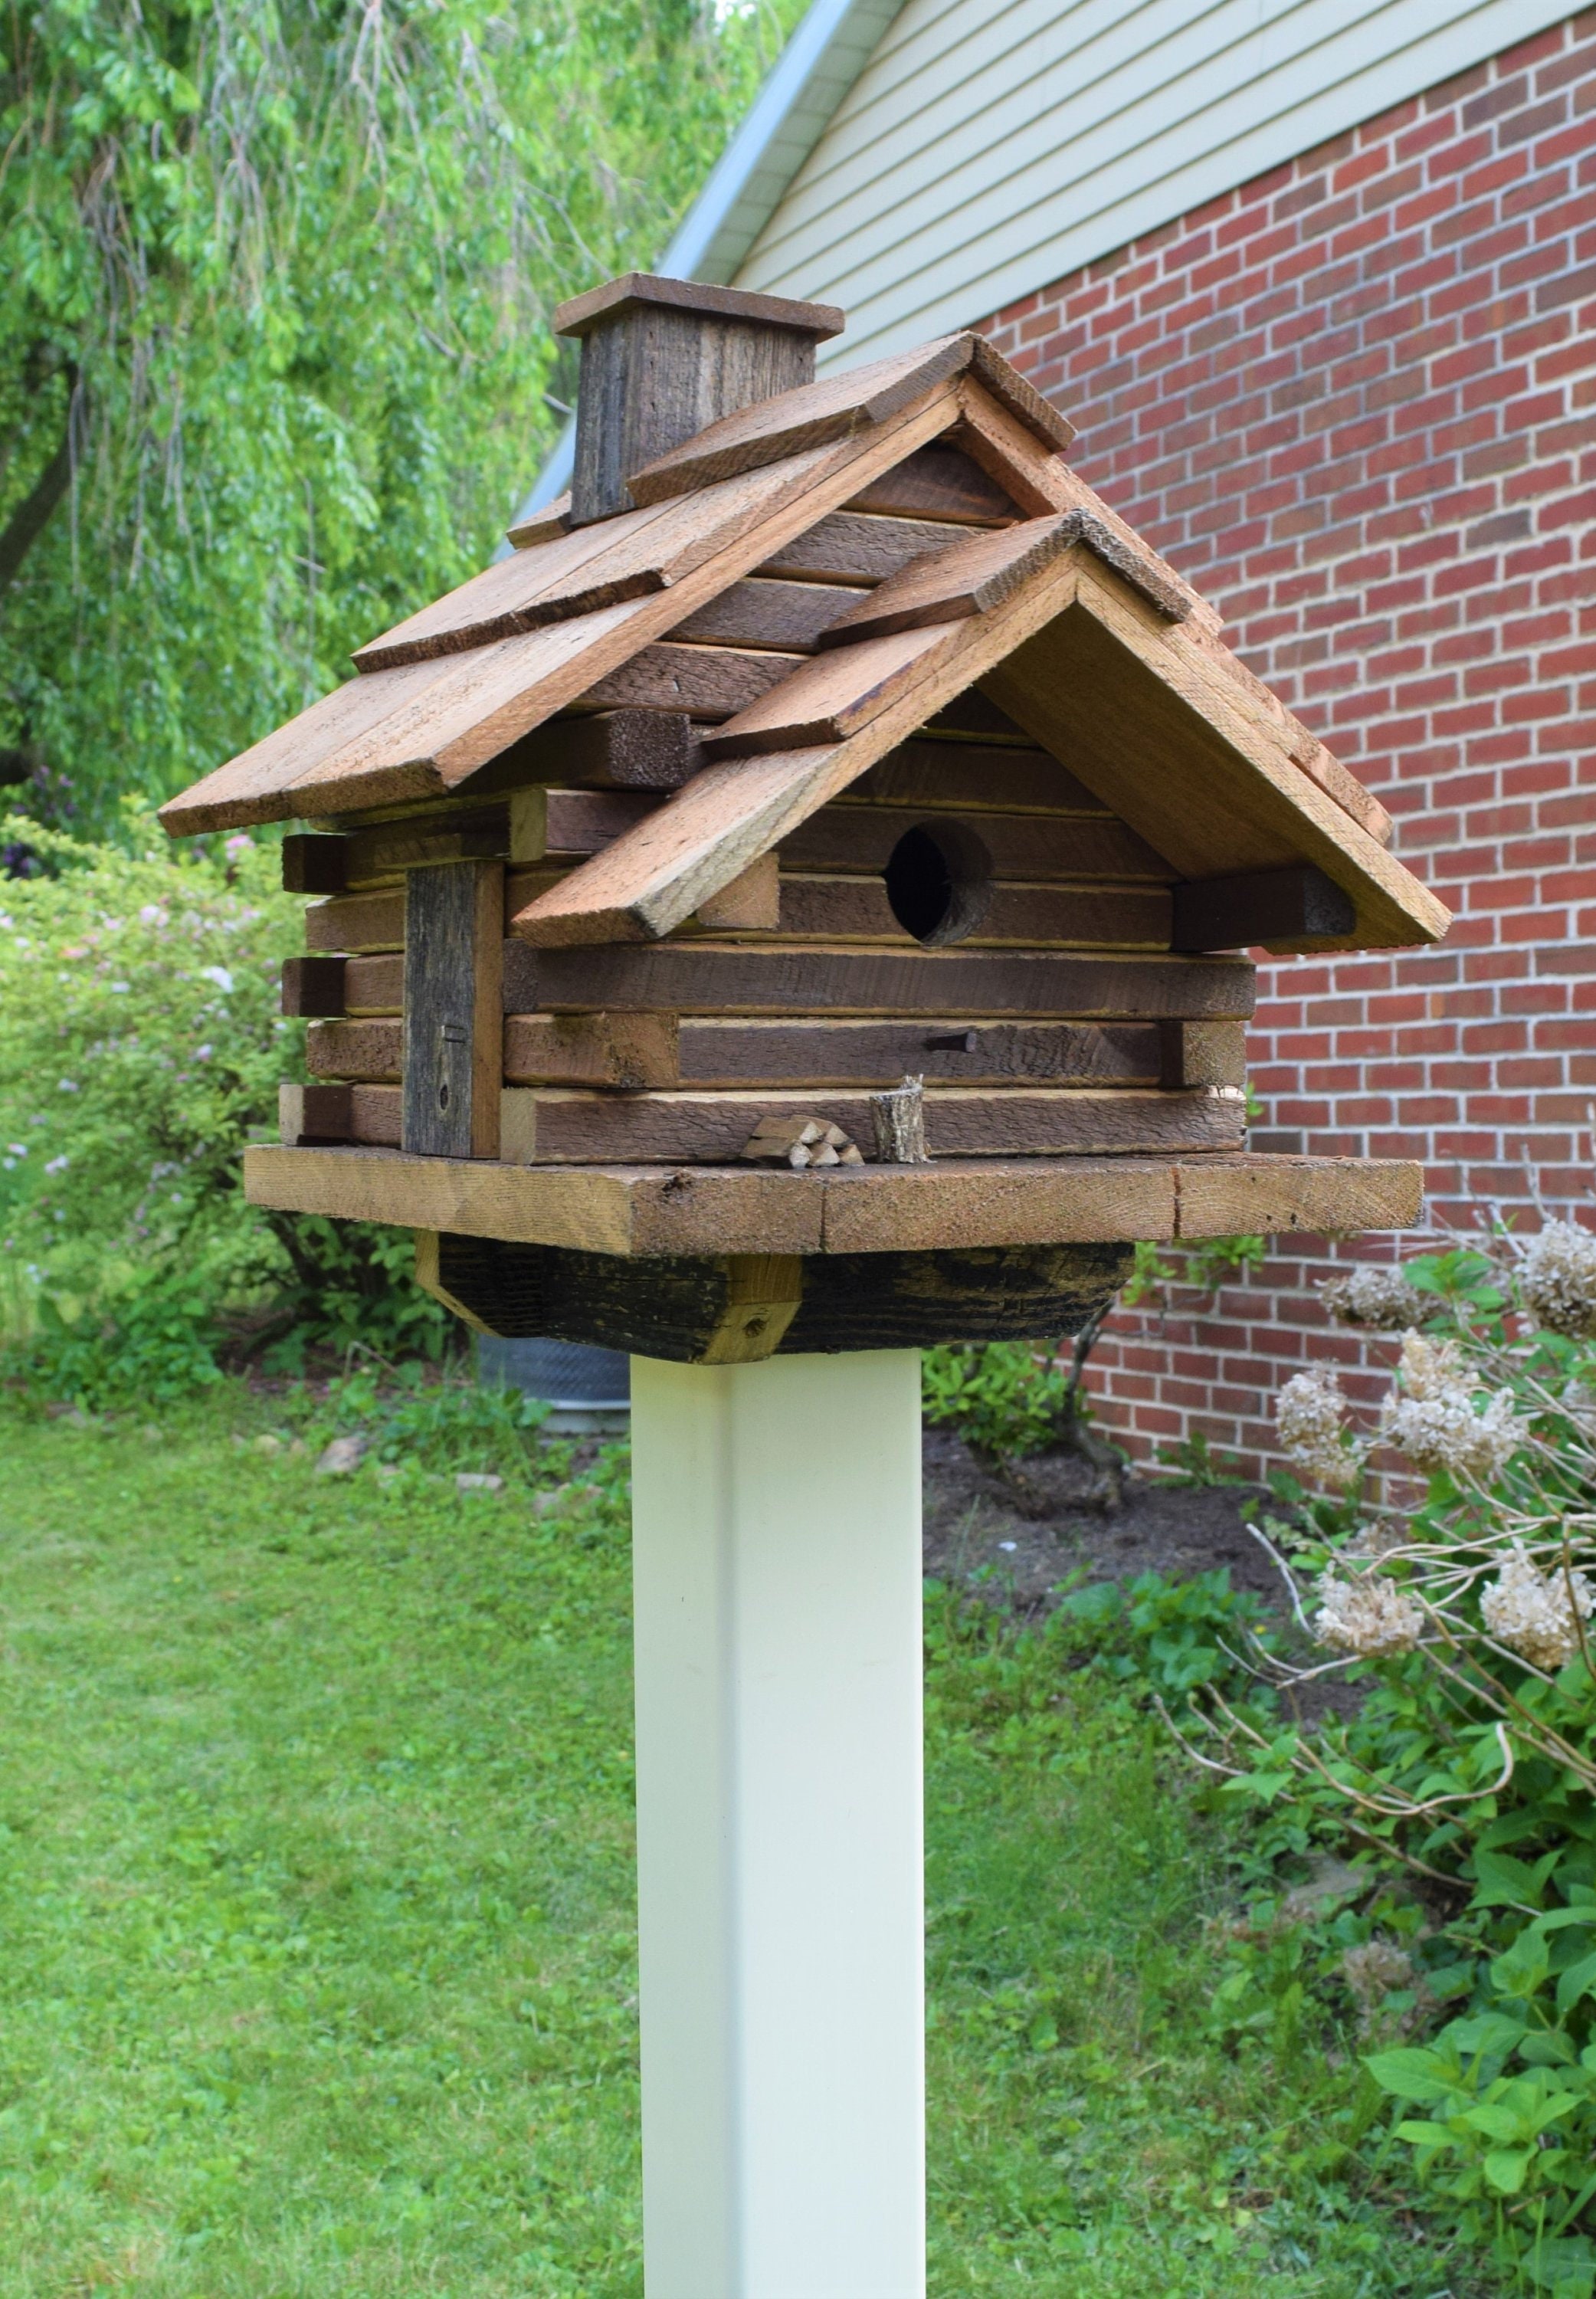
(1412, 2074)
(1505, 2168)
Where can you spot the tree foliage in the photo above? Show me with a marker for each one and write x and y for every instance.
(275, 359)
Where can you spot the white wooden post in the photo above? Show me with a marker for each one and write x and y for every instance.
(777, 1573)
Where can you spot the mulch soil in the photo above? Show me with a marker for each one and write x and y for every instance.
(977, 1531)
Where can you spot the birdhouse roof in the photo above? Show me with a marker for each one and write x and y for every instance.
(1067, 621)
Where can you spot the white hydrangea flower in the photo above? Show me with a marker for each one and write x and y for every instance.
(1432, 1420)
(1309, 1415)
(1556, 1279)
(1530, 1611)
(1370, 1617)
(1382, 1299)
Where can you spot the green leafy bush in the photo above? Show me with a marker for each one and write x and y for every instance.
(1461, 1607)
(141, 1048)
(1000, 1395)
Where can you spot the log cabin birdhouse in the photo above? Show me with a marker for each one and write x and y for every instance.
(798, 902)
(797, 898)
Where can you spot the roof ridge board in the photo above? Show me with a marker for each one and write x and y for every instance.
(256, 786)
(973, 572)
(836, 404)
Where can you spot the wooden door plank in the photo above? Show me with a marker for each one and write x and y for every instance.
(453, 1010)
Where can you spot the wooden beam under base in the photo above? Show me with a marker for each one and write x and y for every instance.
(952, 1202)
(739, 1308)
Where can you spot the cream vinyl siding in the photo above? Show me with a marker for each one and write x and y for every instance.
(987, 150)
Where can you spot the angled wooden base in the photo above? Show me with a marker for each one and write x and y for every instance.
(739, 1308)
(952, 1204)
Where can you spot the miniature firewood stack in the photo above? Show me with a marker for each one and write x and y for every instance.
(796, 902)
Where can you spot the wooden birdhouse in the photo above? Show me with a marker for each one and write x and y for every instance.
(797, 899)
(796, 904)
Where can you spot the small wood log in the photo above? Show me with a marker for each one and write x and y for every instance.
(765, 612)
(685, 977)
(314, 863)
(370, 1051)
(950, 771)
(453, 1025)
(939, 482)
(855, 837)
(314, 985)
(1266, 906)
(898, 1118)
(605, 750)
(851, 546)
(799, 1142)
(622, 1050)
(710, 682)
(314, 1113)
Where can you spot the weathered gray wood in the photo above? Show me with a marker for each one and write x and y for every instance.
(655, 373)
(897, 1123)
(711, 682)
(671, 1305)
(937, 482)
(1263, 906)
(313, 985)
(452, 1011)
(798, 1053)
(764, 612)
(1032, 847)
(684, 978)
(853, 546)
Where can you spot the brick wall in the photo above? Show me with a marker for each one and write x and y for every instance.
(1353, 402)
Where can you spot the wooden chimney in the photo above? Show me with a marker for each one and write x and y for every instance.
(663, 359)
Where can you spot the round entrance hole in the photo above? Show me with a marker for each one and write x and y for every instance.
(938, 882)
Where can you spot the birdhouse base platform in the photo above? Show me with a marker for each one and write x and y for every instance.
(724, 1265)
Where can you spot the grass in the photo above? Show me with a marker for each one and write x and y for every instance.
(316, 1927)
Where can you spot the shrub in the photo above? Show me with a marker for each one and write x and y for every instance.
(140, 1049)
(1461, 1608)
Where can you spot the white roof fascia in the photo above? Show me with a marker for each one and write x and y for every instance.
(792, 113)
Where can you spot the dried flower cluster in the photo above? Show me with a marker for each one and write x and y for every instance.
(1534, 1612)
(1433, 1419)
(1369, 1617)
(1556, 1279)
(1309, 1414)
(1382, 1299)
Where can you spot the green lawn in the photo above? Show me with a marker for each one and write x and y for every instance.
(315, 1952)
